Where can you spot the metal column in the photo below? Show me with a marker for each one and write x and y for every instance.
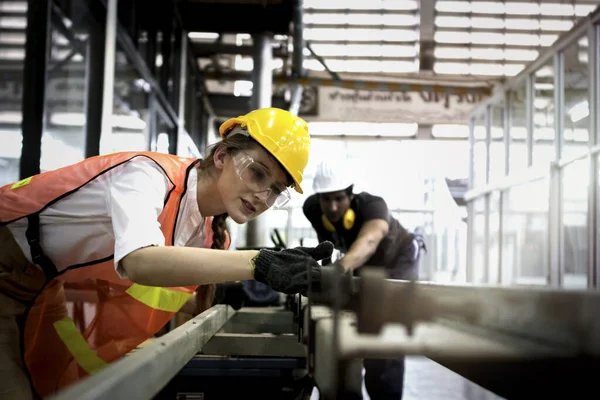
(257, 233)
(529, 111)
(594, 103)
(94, 87)
(471, 203)
(109, 76)
(181, 90)
(298, 57)
(34, 85)
(555, 214)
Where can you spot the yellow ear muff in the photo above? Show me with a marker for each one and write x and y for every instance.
(348, 221)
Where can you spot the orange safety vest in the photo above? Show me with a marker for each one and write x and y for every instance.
(56, 352)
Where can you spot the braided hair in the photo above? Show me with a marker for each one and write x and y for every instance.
(233, 143)
(205, 294)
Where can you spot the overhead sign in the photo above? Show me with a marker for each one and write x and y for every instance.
(340, 104)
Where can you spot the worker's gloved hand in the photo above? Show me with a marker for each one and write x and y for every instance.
(287, 270)
(230, 293)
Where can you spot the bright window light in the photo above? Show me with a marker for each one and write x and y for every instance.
(128, 122)
(487, 7)
(452, 22)
(247, 63)
(10, 117)
(362, 19)
(12, 38)
(362, 35)
(545, 72)
(451, 68)
(556, 9)
(556, 25)
(519, 8)
(522, 24)
(513, 69)
(518, 132)
(547, 40)
(12, 143)
(487, 23)
(543, 118)
(543, 86)
(363, 50)
(583, 57)
(487, 54)
(487, 38)
(579, 111)
(364, 66)
(162, 143)
(479, 132)
(12, 54)
(522, 39)
(361, 129)
(450, 131)
(78, 119)
(203, 35)
(313, 65)
(242, 88)
(407, 5)
(452, 37)
(13, 22)
(487, 69)
(520, 55)
(13, 6)
(577, 135)
(67, 119)
(452, 52)
(545, 133)
(541, 103)
(453, 6)
(581, 10)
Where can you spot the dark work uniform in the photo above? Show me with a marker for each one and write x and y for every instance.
(398, 253)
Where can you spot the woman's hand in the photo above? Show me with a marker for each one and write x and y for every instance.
(287, 270)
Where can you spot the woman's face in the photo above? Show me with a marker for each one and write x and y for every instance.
(249, 182)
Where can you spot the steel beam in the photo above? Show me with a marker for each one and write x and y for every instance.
(257, 233)
(146, 371)
(207, 50)
(392, 86)
(228, 105)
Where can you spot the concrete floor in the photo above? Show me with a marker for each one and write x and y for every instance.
(428, 380)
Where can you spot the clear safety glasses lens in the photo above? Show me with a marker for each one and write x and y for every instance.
(258, 179)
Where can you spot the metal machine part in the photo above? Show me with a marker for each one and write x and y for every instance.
(516, 342)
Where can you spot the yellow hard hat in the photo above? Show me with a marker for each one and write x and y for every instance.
(281, 133)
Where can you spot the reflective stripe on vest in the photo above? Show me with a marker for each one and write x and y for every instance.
(159, 298)
(79, 348)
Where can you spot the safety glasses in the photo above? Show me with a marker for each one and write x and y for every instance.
(258, 179)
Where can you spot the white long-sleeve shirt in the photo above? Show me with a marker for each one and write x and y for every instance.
(114, 214)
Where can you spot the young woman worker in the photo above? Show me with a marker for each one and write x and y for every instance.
(143, 232)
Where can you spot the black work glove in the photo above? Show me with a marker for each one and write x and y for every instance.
(230, 293)
(287, 270)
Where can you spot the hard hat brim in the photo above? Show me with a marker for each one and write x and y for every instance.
(232, 122)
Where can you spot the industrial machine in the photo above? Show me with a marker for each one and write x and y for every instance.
(516, 342)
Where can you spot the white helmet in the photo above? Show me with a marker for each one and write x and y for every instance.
(332, 175)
